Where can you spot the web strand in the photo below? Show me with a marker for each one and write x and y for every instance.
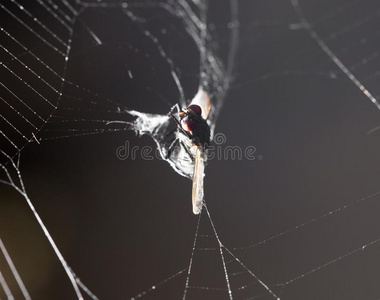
(191, 258)
(14, 271)
(313, 34)
(44, 99)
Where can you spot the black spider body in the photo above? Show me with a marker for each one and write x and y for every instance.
(196, 128)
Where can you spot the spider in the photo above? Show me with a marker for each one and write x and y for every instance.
(196, 133)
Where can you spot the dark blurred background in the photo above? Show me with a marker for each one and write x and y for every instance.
(126, 225)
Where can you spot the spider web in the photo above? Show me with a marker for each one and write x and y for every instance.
(299, 224)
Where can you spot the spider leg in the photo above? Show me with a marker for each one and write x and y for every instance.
(175, 106)
(175, 119)
(178, 122)
(171, 148)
